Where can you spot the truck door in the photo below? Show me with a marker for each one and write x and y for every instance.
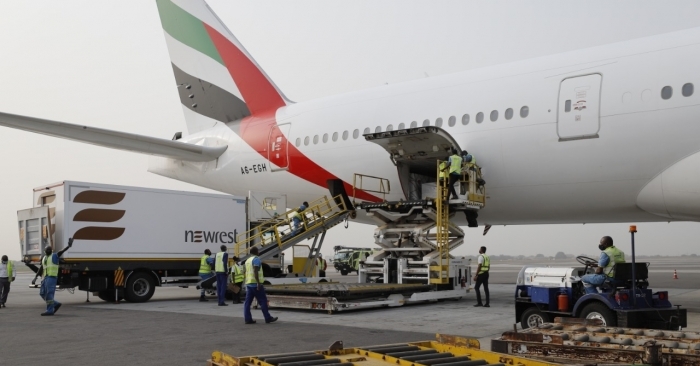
(277, 145)
(34, 231)
(415, 152)
(578, 115)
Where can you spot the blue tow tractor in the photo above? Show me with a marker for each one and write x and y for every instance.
(625, 300)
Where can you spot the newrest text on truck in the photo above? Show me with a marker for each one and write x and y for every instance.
(128, 240)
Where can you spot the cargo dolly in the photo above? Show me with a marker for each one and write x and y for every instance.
(446, 350)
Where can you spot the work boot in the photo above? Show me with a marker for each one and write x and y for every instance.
(477, 305)
(202, 299)
(271, 320)
(55, 308)
(46, 313)
(487, 305)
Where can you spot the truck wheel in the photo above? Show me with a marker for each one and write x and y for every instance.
(598, 310)
(140, 287)
(108, 295)
(343, 272)
(532, 317)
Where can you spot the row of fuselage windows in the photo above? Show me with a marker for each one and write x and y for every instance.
(452, 121)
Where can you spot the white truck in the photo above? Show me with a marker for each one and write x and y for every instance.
(128, 240)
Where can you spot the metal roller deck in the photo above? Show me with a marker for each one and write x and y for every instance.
(446, 350)
(578, 340)
(345, 291)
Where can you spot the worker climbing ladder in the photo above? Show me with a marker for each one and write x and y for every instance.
(439, 274)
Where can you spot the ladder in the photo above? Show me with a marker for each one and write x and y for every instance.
(274, 236)
(439, 274)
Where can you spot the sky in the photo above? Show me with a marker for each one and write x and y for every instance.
(105, 64)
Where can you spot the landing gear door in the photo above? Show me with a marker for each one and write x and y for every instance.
(415, 152)
(277, 147)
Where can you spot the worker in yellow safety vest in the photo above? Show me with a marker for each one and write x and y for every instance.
(454, 165)
(321, 265)
(205, 273)
(297, 218)
(221, 269)
(49, 269)
(609, 256)
(254, 280)
(237, 278)
(482, 277)
(7, 275)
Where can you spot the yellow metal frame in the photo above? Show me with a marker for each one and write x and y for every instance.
(440, 274)
(314, 216)
(358, 179)
(458, 346)
(475, 194)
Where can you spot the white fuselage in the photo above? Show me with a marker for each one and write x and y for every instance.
(549, 167)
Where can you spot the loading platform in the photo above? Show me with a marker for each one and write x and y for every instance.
(446, 350)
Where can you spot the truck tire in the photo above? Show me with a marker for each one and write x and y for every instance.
(343, 272)
(108, 295)
(140, 287)
(532, 317)
(598, 310)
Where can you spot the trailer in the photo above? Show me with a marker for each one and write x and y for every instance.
(445, 350)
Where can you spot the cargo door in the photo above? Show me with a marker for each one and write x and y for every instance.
(578, 115)
(34, 227)
(277, 147)
(415, 152)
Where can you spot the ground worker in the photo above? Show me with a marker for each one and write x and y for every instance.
(454, 165)
(205, 264)
(221, 268)
(7, 275)
(296, 217)
(321, 265)
(237, 278)
(442, 168)
(254, 288)
(482, 277)
(609, 256)
(49, 269)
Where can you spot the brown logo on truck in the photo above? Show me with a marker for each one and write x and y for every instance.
(99, 215)
(223, 237)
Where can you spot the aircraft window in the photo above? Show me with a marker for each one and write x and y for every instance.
(315, 139)
(402, 126)
(390, 127)
(524, 111)
(325, 138)
(426, 123)
(366, 131)
(509, 113)
(414, 124)
(465, 119)
(494, 115)
(567, 106)
(480, 117)
(451, 122)
(345, 134)
(687, 90)
(298, 141)
(666, 92)
(438, 122)
(355, 134)
(378, 129)
(335, 136)
(306, 141)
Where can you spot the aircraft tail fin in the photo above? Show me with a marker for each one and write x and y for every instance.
(218, 80)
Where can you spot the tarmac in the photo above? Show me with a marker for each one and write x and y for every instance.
(174, 328)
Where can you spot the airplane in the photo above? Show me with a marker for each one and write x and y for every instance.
(598, 135)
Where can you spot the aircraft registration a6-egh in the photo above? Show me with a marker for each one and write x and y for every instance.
(604, 134)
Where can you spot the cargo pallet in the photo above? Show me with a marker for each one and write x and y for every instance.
(446, 350)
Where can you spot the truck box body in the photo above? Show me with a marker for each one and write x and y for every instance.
(120, 222)
(159, 232)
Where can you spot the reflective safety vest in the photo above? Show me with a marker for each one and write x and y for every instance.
(486, 265)
(10, 272)
(455, 164)
(219, 262)
(50, 268)
(249, 276)
(237, 275)
(321, 264)
(616, 256)
(443, 171)
(204, 267)
(295, 214)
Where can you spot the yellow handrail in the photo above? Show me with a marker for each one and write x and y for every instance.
(312, 217)
(384, 185)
